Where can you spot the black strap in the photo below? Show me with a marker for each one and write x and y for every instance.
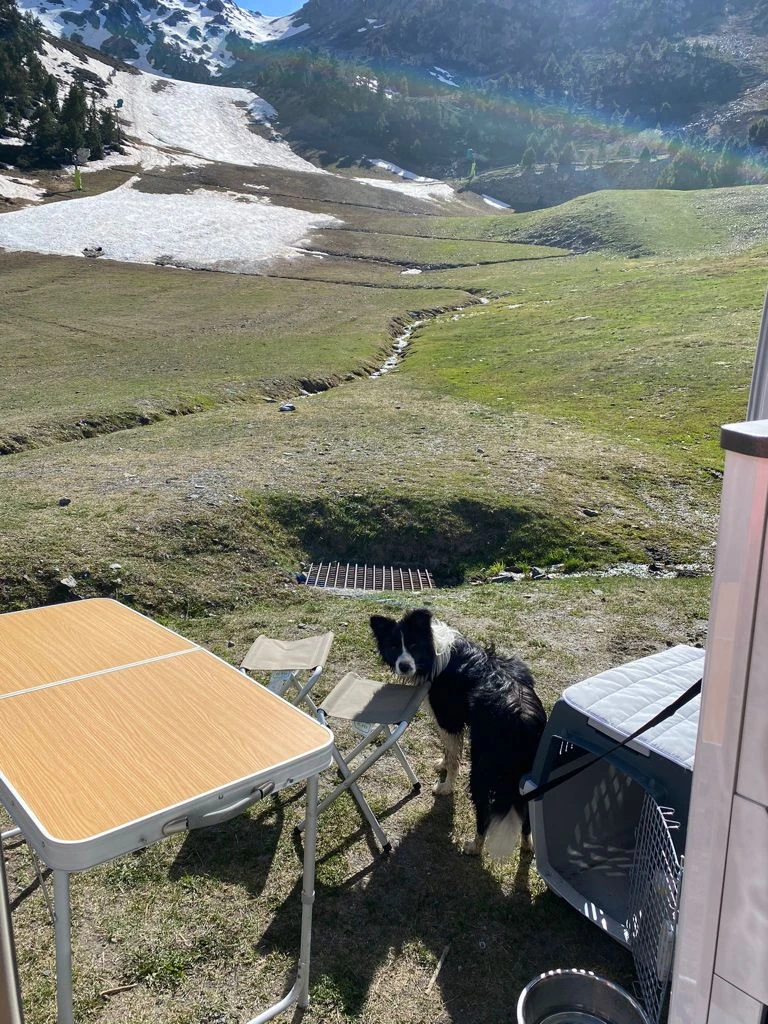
(665, 713)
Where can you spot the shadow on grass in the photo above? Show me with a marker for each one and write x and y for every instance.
(403, 912)
(450, 537)
(239, 851)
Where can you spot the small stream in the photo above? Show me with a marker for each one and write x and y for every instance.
(402, 341)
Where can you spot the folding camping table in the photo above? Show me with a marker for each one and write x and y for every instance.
(116, 732)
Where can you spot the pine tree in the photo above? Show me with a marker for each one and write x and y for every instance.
(93, 139)
(51, 94)
(687, 171)
(528, 161)
(552, 75)
(43, 136)
(758, 132)
(74, 111)
(108, 127)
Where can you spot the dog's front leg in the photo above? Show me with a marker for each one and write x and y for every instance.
(453, 744)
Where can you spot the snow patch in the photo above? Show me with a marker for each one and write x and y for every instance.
(204, 230)
(424, 188)
(12, 187)
(444, 76)
(171, 123)
(496, 203)
(385, 165)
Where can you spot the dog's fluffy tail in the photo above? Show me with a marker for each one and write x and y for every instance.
(503, 835)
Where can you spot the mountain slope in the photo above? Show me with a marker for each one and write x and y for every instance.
(167, 122)
(191, 38)
(499, 36)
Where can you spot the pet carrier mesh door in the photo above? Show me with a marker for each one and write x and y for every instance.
(568, 996)
(654, 898)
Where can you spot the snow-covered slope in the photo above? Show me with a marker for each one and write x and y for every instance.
(163, 35)
(166, 123)
(170, 122)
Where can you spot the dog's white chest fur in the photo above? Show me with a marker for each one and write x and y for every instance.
(443, 639)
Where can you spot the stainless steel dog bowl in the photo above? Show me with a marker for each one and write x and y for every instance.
(576, 997)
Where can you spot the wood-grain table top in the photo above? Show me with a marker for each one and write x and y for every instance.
(46, 645)
(101, 727)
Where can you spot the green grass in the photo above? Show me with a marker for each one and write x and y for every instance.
(86, 341)
(656, 355)
(654, 222)
(406, 250)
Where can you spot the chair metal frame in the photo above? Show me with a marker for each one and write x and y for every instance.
(390, 732)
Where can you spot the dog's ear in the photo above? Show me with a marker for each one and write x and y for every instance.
(382, 626)
(420, 617)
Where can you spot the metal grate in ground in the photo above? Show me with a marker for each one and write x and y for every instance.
(349, 576)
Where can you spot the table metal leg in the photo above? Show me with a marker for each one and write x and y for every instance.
(300, 990)
(10, 997)
(62, 926)
(308, 892)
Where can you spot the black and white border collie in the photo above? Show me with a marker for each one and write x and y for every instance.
(491, 694)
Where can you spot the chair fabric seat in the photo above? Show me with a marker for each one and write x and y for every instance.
(269, 655)
(357, 699)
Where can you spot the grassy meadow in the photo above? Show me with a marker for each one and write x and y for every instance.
(554, 407)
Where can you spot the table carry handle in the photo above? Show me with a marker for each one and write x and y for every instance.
(225, 813)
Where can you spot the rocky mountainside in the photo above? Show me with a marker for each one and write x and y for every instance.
(195, 38)
(191, 39)
(500, 36)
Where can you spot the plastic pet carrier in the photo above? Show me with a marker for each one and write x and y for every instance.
(587, 832)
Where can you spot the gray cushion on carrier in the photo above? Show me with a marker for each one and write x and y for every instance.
(618, 701)
(269, 655)
(357, 699)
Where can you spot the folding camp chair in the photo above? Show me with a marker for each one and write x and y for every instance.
(383, 711)
(286, 661)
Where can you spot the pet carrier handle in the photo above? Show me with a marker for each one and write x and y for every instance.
(665, 713)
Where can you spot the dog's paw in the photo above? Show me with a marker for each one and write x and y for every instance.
(443, 788)
(472, 848)
(440, 764)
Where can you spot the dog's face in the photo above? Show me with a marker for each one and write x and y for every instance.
(407, 646)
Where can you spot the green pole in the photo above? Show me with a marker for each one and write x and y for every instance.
(78, 182)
